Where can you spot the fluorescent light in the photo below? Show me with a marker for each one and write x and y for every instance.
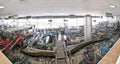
(112, 6)
(1, 6)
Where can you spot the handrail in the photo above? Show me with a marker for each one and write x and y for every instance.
(112, 55)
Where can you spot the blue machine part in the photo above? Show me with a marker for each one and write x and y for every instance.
(103, 46)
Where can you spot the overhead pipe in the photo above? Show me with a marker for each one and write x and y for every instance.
(57, 16)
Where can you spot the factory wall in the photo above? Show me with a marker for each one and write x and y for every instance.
(57, 22)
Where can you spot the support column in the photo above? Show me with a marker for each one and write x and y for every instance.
(88, 28)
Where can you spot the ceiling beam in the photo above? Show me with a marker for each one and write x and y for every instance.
(52, 17)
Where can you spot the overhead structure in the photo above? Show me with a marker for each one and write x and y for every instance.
(53, 16)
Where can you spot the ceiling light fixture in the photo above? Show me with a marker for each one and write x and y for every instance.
(112, 6)
(2, 7)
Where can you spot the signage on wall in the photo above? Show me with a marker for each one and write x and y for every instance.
(109, 15)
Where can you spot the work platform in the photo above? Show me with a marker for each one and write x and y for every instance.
(61, 58)
(113, 54)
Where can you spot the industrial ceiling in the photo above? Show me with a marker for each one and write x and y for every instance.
(58, 7)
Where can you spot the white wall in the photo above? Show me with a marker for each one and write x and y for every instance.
(43, 23)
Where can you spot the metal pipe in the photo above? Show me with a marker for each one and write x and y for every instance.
(57, 16)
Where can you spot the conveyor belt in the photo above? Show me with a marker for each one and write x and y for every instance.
(80, 46)
(52, 53)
